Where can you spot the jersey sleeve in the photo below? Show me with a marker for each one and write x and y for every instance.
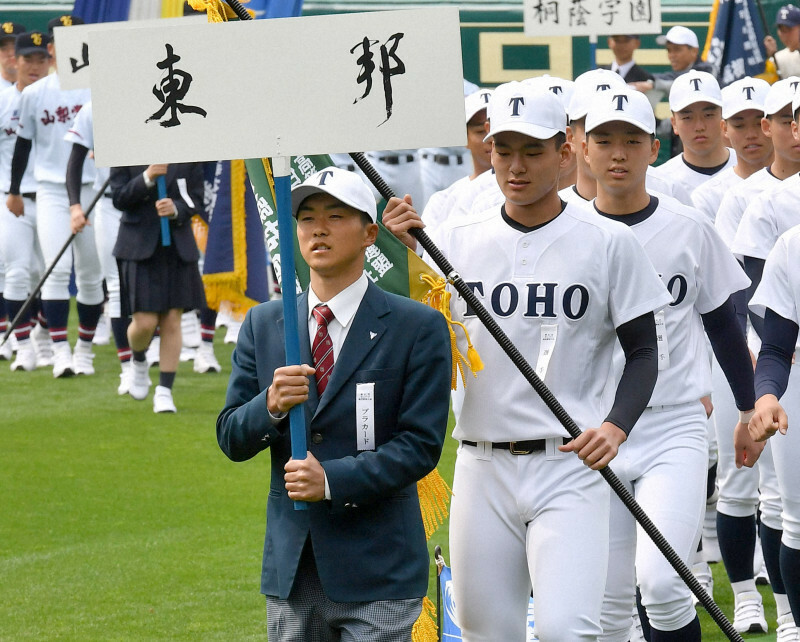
(728, 217)
(775, 290)
(719, 274)
(756, 233)
(634, 286)
(702, 199)
(81, 130)
(26, 128)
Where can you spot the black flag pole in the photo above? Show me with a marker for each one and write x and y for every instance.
(554, 405)
(26, 306)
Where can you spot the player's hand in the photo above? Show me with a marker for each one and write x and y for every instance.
(596, 447)
(770, 418)
(289, 388)
(15, 204)
(707, 405)
(399, 217)
(166, 208)
(154, 171)
(746, 448)
(305, 479)
(770, 46)
(641, 85)
(77, 218)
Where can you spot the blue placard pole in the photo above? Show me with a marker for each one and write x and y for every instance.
(166, 239)
(283, 201)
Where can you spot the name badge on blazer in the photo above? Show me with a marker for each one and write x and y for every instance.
(365, 416)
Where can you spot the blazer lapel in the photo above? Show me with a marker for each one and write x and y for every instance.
(365, 333)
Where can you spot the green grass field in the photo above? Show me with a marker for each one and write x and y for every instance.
(119, 524)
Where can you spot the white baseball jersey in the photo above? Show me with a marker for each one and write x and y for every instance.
(46, 114)
(779, 289)
(736, 200)
(700, 273)
(82, 133)
(5, 83)
(677, 170)
(768, 216)
(559, 291)
(437, 209)
(9, 119)
(707, 196)
(664, 185)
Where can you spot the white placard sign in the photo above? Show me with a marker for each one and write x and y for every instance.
(286, 87)
(72, 46)
(591, 17)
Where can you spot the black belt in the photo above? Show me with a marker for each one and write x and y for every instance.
(518, 447)
(30, 195)
(395, 160)
(444, 159)
(109, 195)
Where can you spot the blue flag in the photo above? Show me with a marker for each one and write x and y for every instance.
(734, 47)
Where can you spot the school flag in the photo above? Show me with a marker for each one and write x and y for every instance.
(117, 10)
(734, 42)
(235, 265)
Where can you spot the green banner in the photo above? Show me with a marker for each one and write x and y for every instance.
(388, 263)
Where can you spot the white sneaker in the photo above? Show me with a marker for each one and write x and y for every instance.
(787, 631)
(232, 335)
(636, 634)
(162, 400)
(187, 354)
(748, 616)
(139, 380)
(62, 360)
(702, 572)
(6, 349)
(153, 354)
(190, 329)
(43, 346)
(26, 357)
(205, 360)
(125, 378)
(82, 358)
(102, 333)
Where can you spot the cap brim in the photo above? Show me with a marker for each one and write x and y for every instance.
(661, 40)
(31, 50)
(302, 192)
(534, 131)
(738, 109)
(591, 126)
(704, 99)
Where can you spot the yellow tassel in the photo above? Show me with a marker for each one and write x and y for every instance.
(438, 298)
(216, 10)
(424, 629)
(434, 497)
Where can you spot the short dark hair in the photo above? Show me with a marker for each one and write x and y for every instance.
(559, 139)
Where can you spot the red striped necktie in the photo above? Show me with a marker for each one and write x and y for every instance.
(322, 348)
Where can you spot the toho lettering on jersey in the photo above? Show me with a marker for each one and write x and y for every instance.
(532, 299)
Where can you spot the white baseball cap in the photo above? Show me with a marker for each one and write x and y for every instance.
(781, 94)
(745, 93)
(795, 102)
(626, 105)
(515, 107)
(561, 87)
(679, 36)
(586, 88)
(341, 184)
(476, 101)
(694, 87)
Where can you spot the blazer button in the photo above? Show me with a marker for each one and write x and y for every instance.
(316, 438)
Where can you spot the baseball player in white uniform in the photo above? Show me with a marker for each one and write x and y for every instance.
(664, 461)
(106, 225)
(768, 216)
(777, 299)
(523, 504)
(46, 113)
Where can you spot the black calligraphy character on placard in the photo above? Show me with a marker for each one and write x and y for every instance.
(545, 12)
(641, 11)
(171, 90)
(84, 59)
(578, 13)
(391, 65)
(609, 8)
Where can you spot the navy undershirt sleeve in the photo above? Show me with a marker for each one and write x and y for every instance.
(754, 268)
(75, 172)
(638, 340)
(775, 358)
(19, 163)
(730, 348)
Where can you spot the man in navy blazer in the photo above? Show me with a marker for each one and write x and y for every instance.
(355, 563)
